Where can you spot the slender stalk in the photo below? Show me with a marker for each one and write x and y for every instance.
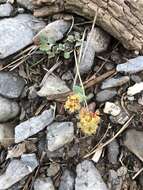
(78, 73)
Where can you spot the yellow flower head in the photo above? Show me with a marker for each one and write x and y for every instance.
(88, 121)
(73, 103)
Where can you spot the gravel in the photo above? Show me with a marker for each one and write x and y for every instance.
(33, 125)
(59, 134)
(43, 184)
(105, 95)
(11, 85)
(67, 181)
(17, 170)
(88, 177)
(8, 109)
(131, 66)
(134, 142)
(6, 10)
(17, 32)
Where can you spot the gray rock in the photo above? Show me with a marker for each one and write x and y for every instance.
(135, 78)
(17, 32)
(3, 1)
(53, 32)
(97, 41)
(6, 134)
(113, 152)
(17, 170)
(53, 169)
(53, 86)
(67, 181)
(26, 4)
(131, 66)
(6, 10)
(8, 109)
(105, 95)
(11, 85)
(115, 82)
(30, 160)
(121, 119)
(134, 142)
(43, 184)
(88, 177)
(59, 134)
(140, 100)
(33, 125)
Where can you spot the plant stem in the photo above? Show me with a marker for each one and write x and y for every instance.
(78, 74)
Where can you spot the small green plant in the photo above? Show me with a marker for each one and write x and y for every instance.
(64, 48)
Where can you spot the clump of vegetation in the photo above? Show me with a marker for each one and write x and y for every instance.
(65, 48)
(76, 103)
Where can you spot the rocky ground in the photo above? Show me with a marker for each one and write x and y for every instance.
(41, 146)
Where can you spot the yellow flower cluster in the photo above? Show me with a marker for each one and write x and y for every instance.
(89, 121)
(73, 103)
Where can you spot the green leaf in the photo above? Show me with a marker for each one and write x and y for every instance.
(66, 55)
(78, 90)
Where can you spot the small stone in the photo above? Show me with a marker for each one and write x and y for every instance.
(122, 171)
(105, 95)
(140, 100)
(121, 119)
(17, 170)
(67, 76)
(88, 177)
(8, 109)
(136, 78)
(113, 152)
(135, 89)
(17, 32)
(115, 182)
(53, 86)
(134, 142)
(43, 184)
(26, 4)
(33, 125)
(97, 41)
(32, 92)
(53, 169)
(131, 66)
(56, 154)
(114, 82)
(112, 109)
(3, 1)
(59, 134)
(6, 10)
(6, 134)
(109, 66)
(11, 85)
(67, 181)
(54, 31)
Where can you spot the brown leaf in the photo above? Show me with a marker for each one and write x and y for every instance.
(16, 151)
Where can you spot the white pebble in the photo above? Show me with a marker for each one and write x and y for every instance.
(112, 109)
(135, 89)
